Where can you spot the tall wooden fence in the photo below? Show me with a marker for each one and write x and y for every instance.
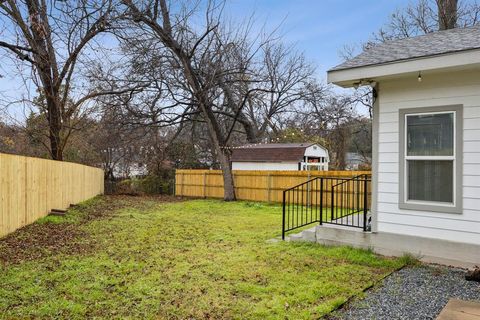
(31, 187)
(249, 185)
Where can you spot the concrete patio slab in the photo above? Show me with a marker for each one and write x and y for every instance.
(460, 310)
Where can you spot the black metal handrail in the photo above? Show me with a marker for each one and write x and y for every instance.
(346, 212)
(366, 175)
(340, 201)
(303, 183)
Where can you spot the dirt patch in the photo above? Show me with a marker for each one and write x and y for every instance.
(41, 240)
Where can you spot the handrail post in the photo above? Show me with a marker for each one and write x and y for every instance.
(365, 200)
(283, 215)
(332, 202)
(321, 201)
(358, 195)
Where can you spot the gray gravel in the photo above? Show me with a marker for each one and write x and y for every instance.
(412, 293)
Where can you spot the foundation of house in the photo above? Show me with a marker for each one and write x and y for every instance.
(429, 250)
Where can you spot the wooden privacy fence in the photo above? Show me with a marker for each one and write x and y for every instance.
(251, 185)
(31, 187)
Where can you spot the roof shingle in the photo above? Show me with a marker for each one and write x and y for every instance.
(275, 152)
(435, 43)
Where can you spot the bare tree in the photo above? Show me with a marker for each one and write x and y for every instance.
(335, 119)
(216, 76)
(417, 18)
(196, 59)
(447, 14)
(50, 38)
(284, 76)
(425, 16)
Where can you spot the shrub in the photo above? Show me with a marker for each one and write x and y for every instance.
(154, 185)
(125, 186)
(136, 186)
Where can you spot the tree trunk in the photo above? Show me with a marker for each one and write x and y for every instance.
(218, 142)
(213, 127)
(222, 155)
(340, 147)
(250, 130)
(46, 69)
(341, 160)
(447, 14)
(55, 128)
(228, 182)
(200, 92)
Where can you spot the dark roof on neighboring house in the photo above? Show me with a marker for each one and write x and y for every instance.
(271, 152)
(431, 44)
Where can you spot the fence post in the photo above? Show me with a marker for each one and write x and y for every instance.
(269, 187)
(183, 183)
(283, 215)
(205, 185)
(365, 207)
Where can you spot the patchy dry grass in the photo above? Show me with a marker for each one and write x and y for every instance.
(204, 259)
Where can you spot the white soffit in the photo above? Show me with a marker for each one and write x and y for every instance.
(460, 60)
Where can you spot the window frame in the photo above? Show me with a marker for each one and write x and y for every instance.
(451, 158)
(456, 158)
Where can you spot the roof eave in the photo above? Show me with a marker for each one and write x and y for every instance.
(269, 161)
(349, 77)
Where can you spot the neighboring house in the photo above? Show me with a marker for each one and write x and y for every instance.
(354, 161)
(123, 163)
(280, 156)
(125, 170)
(426, 145)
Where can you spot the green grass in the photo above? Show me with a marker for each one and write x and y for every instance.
(75, 215)
(201, 259)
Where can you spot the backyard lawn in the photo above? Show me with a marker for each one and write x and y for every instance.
(132, 257)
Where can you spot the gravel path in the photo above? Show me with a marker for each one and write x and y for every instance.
(412, 293)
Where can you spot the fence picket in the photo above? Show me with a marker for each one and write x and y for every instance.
(31, 187)
(265, 186)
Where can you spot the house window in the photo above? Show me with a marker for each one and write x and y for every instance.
(430, 161)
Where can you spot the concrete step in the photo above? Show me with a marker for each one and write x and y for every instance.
(308, 235)
(295, 237)
(57, 212)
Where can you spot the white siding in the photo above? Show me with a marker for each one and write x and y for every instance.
(435, 90)
(293, 166)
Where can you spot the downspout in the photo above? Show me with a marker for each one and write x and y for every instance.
(375, 156)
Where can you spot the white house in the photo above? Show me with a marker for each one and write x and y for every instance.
(280, 156)
(354, 160)
(426, 146)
